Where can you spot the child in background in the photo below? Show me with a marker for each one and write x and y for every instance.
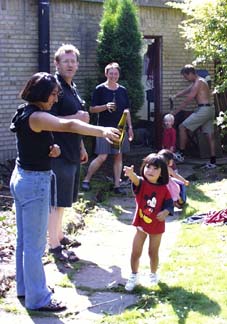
(176, 183)
(153, 205)
(169, 133)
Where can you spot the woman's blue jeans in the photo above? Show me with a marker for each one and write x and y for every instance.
(31, 192)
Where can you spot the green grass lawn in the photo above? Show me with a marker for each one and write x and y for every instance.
(193, 287)
(205, 196)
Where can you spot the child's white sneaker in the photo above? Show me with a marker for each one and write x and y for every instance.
(209, 165)
(154, 279)
(133, 280)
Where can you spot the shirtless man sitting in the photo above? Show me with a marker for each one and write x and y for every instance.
(203, 115)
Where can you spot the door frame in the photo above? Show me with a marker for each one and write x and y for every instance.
(157, 41)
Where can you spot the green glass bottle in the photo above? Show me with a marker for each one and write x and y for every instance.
(115, 102)
(122, 128)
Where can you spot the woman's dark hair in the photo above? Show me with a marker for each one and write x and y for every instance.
(159, 162)
(39, 87)
(167, 155)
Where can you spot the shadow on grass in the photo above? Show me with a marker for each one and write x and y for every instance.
(181, 300)
(105, 291)
(196, 194)
(102, 195)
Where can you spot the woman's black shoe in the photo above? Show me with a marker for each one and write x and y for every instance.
(62, 255)
(70, 243)
(86, 186)
(53, 306)
(119, 191)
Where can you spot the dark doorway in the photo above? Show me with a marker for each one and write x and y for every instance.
(152, 86)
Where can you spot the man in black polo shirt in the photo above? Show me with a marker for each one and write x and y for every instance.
(73, 152)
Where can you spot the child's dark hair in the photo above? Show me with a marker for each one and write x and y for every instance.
(167, 155)
(159, 162)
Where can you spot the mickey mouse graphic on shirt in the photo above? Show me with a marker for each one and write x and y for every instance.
(149, 208)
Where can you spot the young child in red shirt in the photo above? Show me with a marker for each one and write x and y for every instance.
(169, 133)
(153, 205)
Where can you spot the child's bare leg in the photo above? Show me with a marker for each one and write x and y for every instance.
(137, 249)
(154, 244)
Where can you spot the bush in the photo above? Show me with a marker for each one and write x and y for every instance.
(120, 40)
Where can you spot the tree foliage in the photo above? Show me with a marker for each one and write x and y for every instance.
(205, 30)
(106, 36)
(120, 40)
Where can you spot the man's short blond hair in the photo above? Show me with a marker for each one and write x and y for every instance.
(66, 48)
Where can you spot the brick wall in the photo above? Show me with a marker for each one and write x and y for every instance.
(70, 22)
(18, 60)
(164, 22)
(77, 23)
(74, 22)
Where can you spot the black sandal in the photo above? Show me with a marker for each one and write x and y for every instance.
(86, 185)
(53, 306)
(72, 257)
(58, 253)
(119, 191)
(62, 255)
(67, 242)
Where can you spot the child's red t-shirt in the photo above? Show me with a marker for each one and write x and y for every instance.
(150, 200)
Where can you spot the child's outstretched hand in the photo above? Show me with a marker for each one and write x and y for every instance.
(128, 171)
